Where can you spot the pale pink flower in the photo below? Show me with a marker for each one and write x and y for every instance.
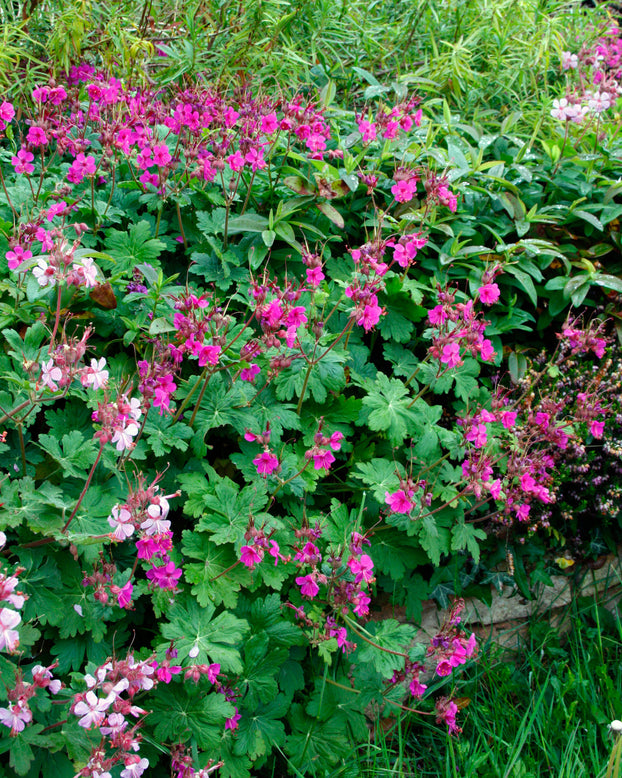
(95, 376)
(121, 521)
(9, 637)
(50, 374)
(92, 709)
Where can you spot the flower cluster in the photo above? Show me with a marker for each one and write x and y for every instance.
(145, 513)
(9, 618)
(107, 705)
(18, 713)
(458, 329)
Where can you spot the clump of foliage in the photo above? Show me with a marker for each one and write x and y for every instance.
(236, 407)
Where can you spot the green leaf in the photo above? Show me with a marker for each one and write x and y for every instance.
(589, 218)
(162, 435)
(331, 212)
(389, 634)
(465, 536)
(133, 246)
(73, 453)
(433, 541)
(260, 730)
(388, 403)
(184, 712)
(226, 512)
(380, 475)
(190, 625)
(249, 222)
(216, 578)
(262, 663)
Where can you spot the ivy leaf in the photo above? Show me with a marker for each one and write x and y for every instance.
(74, 453)
(388, 409)
(133, 246)
(190, 625)
(261, 729)
(184, 712)
(465, 536)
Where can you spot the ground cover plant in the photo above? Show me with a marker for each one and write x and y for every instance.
(270, 373)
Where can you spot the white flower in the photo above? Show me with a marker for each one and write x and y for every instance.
(569, 60)
(599, 102)
(43, 273)
(124, 438)
(135, 769)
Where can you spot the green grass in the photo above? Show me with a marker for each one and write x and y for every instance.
(543, 711)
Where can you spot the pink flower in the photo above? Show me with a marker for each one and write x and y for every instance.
(235, 161)
(251, 556)
(266, 463)
(335, 440)
(95, 376)
(362, 569)
(124, 595)
(508, 419)
(50, 374)
(269, 123)
(7, 112)
(323, 460)
(36, 136)
(249, 373)
(232, 723)
(398, 502)
(17, 256)
(451, 355)
(209, 355)
(161, 155)
(121, 521)
(22, 162)
(91, 709)
(166, 576)
(315, 276)
(417, 688)
(370, 316)
(367, 130)
(308, 586)
(135, 766)
(597, 428)
(16, 717)
(404, 191)
(489, 293)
